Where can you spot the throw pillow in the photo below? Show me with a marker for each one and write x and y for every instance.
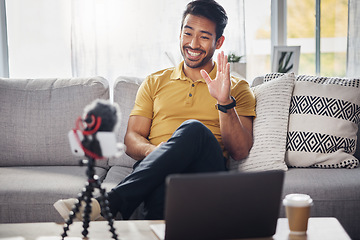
(324, 118)
(270, 126)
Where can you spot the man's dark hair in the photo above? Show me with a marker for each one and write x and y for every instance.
(209, 9)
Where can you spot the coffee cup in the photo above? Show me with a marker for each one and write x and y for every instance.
(297, 208)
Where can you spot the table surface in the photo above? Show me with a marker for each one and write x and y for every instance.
(318, 228)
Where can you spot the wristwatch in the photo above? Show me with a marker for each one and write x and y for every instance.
(224, 108)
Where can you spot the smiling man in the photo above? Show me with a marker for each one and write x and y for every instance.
(197, 44)
(186, 119)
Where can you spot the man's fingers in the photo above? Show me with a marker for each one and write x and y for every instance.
(219, 60)
(205, 76)
(222, 62)
(228, 69)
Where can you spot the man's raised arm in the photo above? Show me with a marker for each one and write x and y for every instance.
(236, 131)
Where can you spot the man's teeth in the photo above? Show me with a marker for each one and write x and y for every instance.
(193, 53)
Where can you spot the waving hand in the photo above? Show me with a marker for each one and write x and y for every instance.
(219, 87)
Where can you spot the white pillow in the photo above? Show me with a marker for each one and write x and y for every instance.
(324, 118)
(270, 126)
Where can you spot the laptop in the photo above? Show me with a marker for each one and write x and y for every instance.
(223, 205)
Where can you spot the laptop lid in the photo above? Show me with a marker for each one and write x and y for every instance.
(222, 205)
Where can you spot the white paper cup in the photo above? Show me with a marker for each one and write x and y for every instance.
(298, 212)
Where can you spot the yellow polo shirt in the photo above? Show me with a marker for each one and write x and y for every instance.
(169, 98)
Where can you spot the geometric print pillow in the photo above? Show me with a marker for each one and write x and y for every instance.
(323, 122)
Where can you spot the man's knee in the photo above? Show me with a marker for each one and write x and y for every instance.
(193, 132)
(194, 126)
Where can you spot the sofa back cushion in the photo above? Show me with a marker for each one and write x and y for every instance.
(36, 115)
(125, 89)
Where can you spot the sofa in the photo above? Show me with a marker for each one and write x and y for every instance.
(37, 167)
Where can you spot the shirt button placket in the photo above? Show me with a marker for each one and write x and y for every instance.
(191, 93)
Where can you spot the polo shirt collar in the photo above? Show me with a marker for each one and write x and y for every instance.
(178, 73)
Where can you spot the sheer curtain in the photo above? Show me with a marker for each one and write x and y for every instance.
(135, 38)
(353, 53)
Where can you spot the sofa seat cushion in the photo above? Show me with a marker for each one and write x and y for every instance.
(325, 184)
(27, 194)
(335, 192)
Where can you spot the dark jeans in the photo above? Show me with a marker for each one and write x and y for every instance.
(191, 149)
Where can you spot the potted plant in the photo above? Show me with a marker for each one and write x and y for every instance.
(233, 58)
(237, 67)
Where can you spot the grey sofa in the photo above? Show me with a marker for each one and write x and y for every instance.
(37, 167)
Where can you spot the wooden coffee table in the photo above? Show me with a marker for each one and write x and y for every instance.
(319, 228)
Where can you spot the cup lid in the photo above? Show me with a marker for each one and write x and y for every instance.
(297, 200)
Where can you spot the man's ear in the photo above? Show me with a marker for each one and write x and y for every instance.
(220, 42)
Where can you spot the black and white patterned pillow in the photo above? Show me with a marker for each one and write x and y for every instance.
(323, 122)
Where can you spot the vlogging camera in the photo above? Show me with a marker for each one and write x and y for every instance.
(94, 135)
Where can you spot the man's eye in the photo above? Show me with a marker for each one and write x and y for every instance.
(187, 34)
(203, 37)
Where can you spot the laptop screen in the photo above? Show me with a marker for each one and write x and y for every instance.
(223, 205)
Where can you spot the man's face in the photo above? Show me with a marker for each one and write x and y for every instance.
(197, 41)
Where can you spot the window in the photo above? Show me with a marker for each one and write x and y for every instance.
(258, 37)
(64, 38)
(39, 38)
(43, 36)
(332, 27)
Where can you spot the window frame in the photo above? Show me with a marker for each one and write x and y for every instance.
(4, 54)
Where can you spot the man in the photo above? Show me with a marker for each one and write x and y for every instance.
(174, 126)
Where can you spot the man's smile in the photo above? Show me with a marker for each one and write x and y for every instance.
(192, 54)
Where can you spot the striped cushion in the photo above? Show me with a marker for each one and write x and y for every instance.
(324, 118)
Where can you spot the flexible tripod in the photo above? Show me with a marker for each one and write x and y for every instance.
(86, 195)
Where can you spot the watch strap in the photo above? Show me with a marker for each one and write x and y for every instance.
(224, 108)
